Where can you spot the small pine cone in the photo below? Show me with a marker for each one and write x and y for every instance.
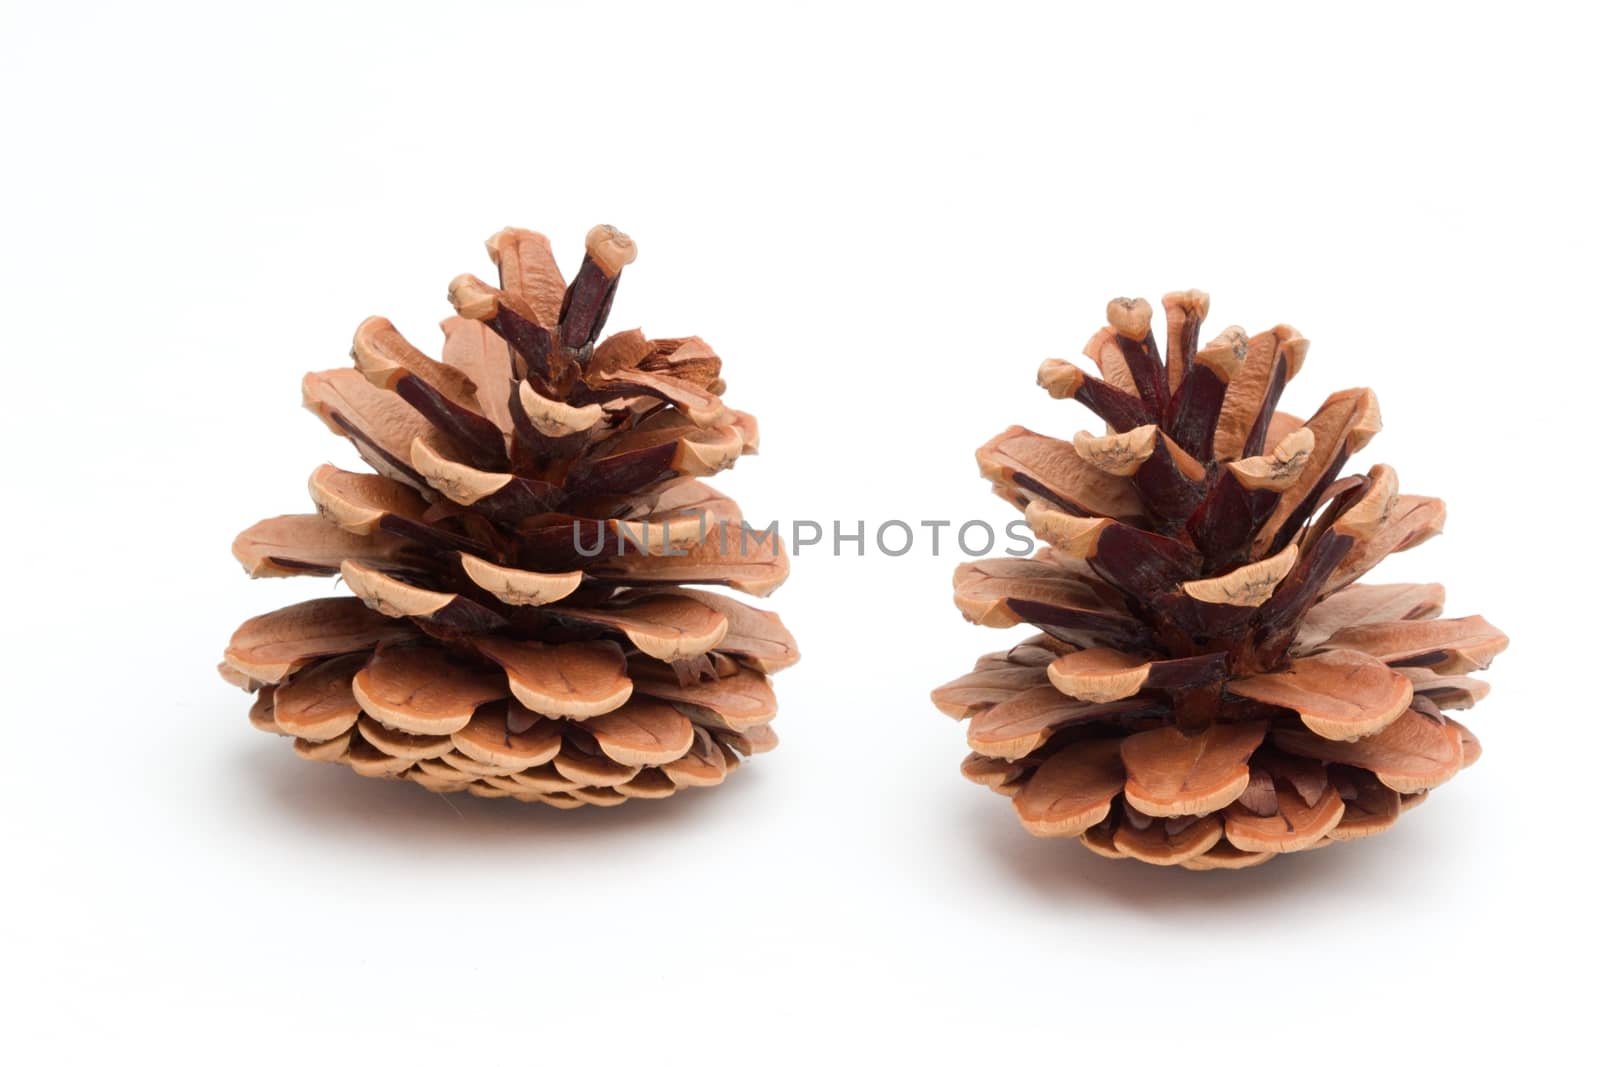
(1212, 685)
(520, 625)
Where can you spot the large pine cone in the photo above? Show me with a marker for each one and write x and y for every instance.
(1212, 685)
(519, 626)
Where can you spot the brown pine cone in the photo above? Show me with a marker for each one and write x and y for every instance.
(521, 624)
(1212, 685)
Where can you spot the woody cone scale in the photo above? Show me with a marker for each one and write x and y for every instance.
(1211, 684)
(524, 557)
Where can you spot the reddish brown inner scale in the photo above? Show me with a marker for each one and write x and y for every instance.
(549, 515)
(1200, 520)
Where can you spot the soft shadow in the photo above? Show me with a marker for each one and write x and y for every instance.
(334, 801)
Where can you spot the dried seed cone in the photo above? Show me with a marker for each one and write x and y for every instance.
(521, 624)
(1212, 685)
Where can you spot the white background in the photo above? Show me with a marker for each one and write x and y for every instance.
(883, 220)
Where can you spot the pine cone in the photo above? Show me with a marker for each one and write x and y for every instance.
(1212, 686)
(520, 626)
